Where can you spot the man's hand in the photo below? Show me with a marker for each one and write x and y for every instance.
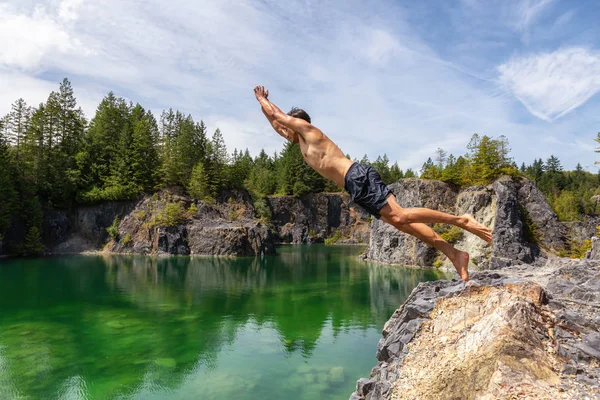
(261, 93)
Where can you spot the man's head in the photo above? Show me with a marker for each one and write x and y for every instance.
(299, 113)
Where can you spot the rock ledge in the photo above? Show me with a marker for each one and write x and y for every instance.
(515, 335)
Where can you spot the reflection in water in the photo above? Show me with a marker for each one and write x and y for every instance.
(303, 324)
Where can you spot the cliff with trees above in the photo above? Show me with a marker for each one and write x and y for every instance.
(52, 160)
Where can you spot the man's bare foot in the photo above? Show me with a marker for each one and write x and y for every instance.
(476, 228)
(461, 263)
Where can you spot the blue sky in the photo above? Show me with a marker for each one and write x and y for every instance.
(395, 77)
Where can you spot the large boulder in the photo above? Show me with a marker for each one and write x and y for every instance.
(516, 335)
(225, 239)
(216, 229)
(525, 228)
(389, 245)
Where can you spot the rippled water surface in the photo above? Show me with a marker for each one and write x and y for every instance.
(300, 325)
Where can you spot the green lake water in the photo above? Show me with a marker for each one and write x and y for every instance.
(303, 324)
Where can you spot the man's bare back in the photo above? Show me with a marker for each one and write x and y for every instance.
(365, 185)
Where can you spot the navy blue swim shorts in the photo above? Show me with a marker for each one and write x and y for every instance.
(366, 188)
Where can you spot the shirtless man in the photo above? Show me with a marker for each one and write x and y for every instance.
(365, 185)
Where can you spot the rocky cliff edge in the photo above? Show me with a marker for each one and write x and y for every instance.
(519, 335)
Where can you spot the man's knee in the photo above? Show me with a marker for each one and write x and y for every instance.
(399, 217)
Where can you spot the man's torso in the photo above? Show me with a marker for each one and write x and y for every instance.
(324, 156)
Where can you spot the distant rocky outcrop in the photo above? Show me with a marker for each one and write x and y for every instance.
(515, 335)
(526, 230)
(315, 217)
(228, 227)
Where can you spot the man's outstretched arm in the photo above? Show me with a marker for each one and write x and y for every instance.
(272, 111)
(282, 130)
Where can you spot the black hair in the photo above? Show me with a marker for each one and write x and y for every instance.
(299, 113)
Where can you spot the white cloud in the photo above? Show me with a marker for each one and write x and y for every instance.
(25, 39)
(526, 11)
(68, 9)
(551, 85)
(362, 71)
(380, 46)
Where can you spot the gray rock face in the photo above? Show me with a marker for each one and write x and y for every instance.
(389, 245)
(509, 239)
(552, 233)
(172, 240)
(227, 229)
(594, 254)
(314, 217)
(221, 229)
(431, 331)
(525, 227)
(230, 240)
(583, 230)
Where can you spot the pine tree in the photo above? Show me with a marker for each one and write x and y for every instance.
(553, 165)
(8, 197)
(597, 141)
(440, 158)
(261, 181)
(144, 155)
(18, 122)
(395, 173)
(381, 165)
(410, 173)
(98, 160)
(429, 170)
(217, 163)
(241, 166)
(451, 172)
(199, 187)
(183, 144)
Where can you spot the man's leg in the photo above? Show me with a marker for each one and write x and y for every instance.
(402, 216)
(459, 259)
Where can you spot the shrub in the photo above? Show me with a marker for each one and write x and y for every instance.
(530, 232)
(438, 263)
(192, 210)
(312, 233)
(567, 206)
(127, 239)
(33, 242)
(449, 233)
(300, 188)
(140, 215)
(113, 230)
(336, 237)
(172, 214)
(263, 212)
(576, 250)
(236, 210)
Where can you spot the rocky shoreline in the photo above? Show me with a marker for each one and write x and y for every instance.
(522, 333)
(172, 223)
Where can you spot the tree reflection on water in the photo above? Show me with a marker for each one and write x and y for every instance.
(110, 324)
